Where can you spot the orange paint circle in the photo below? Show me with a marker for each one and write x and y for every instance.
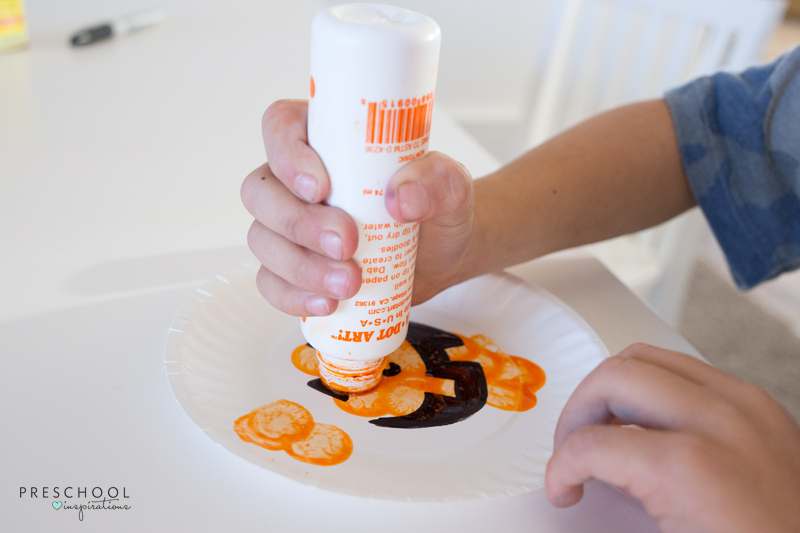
(248, 433)
(313, 88)
(304, 359)
(281, 422)
(326, 446)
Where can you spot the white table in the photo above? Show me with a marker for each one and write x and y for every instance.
(120, 167)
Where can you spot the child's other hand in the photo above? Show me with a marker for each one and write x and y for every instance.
(306, 247)
(716, 454)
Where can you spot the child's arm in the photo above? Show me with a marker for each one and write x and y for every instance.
(616, 173)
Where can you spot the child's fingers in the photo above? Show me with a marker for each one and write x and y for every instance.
(692, 369)
(291, 300)
(433, 187)
(727, 472)
(644, 394)
(323, 229)
(285, 131)
(301, 267)
(634, 460)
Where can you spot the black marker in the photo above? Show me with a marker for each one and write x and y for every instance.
(118, 27)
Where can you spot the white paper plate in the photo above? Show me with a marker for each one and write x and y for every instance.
(228, 352)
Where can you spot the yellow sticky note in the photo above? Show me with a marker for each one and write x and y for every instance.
(13, 30)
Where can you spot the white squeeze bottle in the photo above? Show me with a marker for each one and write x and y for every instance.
(373, 75)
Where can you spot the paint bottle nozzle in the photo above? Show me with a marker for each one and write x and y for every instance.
(346, 375)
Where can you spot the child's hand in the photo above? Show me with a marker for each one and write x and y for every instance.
(716, 454)
(306, 247)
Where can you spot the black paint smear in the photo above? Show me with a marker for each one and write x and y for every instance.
(436, 409)
(318, 385)
(470, 388)
(393, 370)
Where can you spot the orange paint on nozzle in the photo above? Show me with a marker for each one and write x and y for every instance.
(350, 376)
(373, 76)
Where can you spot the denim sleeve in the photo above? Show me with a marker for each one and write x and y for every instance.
(739, 139)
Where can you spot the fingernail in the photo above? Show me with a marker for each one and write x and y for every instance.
(337, 282)
(331, 244)
(317, 305)
(412, 201)
(306, 187)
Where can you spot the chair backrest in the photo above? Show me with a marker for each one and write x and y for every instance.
(611, 52)
(607, 53)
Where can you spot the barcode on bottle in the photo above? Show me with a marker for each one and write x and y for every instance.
(398, 123)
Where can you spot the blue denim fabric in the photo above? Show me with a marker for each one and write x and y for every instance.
(739, 138)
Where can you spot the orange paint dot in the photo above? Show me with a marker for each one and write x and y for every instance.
(288, 426)
(505, 395)
(487, 343)
(313, 87)
(364, 404)
(512, 381)
(283, 420)
(304, 359)
(492, 362)
(408, 359)
(275, 425)
(326, 446)
(533, 379)
(244, 428)
(404, 399)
